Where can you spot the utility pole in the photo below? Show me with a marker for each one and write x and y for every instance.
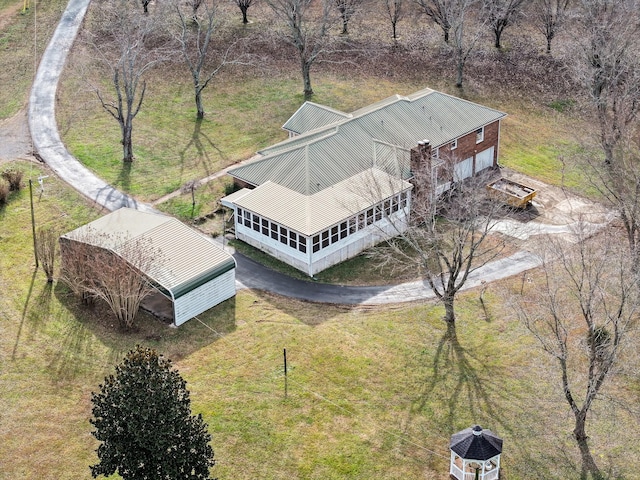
(33, 223)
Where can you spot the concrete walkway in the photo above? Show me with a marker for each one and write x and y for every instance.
(48, 145)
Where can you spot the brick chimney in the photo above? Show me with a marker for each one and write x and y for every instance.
(421, 156)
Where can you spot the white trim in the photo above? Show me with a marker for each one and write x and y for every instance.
(480, 135)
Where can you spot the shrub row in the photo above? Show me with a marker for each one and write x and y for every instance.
(10, 181)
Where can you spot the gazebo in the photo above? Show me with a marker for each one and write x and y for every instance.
(475, 454)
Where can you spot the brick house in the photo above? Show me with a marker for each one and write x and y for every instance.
(341, 183)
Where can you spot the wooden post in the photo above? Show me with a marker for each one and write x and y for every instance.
(284, 351)
(33, 224)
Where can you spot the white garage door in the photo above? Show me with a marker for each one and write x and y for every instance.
(484, 159)
(205, 297)
(463, 169)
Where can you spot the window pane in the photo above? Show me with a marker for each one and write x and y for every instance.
(325, 238)
(352, 225)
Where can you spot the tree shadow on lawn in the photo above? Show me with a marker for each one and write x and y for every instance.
(462, 380)
(309, 313)
(202, 148)
(462, 384)
(91, 327)
(124, 177)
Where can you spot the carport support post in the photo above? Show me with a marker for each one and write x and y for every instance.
(33, 224)
(284, 352)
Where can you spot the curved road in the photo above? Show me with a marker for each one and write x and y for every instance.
(47, 143)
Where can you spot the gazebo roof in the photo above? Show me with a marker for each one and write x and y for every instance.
(476, 443)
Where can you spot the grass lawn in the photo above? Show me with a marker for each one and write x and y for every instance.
(23, 36)
(372, 392)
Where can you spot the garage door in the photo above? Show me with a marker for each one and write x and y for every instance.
(463, 169)
(484, 159)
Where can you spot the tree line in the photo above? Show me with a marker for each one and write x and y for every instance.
(131, 38)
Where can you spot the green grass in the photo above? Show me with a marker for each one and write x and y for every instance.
(371, 392)
(20, 41)
(242, 117)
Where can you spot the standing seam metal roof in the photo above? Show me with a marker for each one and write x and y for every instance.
(320, 158)
(310, 214)
(187, 258)
(311, 116)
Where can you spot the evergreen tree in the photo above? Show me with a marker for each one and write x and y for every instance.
(142, 416)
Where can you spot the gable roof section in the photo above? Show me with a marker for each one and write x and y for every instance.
(310, 214)
(188, 259)
(311, 116)
(320, 158)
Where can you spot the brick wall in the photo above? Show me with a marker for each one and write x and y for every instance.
(467, 146)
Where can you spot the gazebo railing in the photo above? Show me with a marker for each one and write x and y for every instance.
(460, 475)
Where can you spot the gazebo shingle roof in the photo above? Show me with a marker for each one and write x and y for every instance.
(476, 444)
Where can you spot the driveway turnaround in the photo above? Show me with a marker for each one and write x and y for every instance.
(253, 275)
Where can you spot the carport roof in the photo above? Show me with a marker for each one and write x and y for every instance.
(187, 258)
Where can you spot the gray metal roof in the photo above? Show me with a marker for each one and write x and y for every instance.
(310, 214)
(187, 258)
(311, 116)
(320, 158)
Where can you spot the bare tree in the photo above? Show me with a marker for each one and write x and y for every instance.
(549, 16)
(195, 6)
(581, 313)
(465, 38)
(440, 12)
(130, 45)
(195, 45)
(244, 5)
(502, 14)
(306, 28)
(610, 71)
(611, 66)
(93, 270)
(449, 232)
(618, 183)
(46, 242)
(347, 9)
(395, 13)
